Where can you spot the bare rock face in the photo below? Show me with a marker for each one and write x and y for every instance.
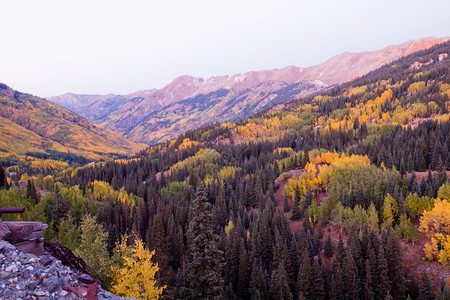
(152, 116)
(5, 232)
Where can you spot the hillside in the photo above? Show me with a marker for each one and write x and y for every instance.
(152, 116)
(36, 127)
(350, 183)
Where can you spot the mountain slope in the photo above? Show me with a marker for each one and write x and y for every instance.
(152, 116)
(32, 124)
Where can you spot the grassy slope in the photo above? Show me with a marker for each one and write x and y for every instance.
(29, 123)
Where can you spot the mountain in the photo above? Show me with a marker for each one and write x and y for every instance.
(152, 116)
(359, 164)
(31, 124)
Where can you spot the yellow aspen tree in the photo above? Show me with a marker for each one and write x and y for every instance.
(135, 277)
(390, 211)
(436, 223)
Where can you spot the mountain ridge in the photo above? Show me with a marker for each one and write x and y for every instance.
(143, 116)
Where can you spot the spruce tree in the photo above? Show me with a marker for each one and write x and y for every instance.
(286, 207)
(383, 284)
(205, 267)
(279, 287)
(425, 288)
(328, 247)
(244, 274)
(318, 287)
(351, 281)
(296, 214)
(307, 277)
(309, 198)
(258, 282)
(395, 266)
(3, 182)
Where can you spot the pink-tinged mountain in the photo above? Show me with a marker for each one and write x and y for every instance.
(152, 116)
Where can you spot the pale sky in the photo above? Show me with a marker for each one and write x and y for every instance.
(52, 47)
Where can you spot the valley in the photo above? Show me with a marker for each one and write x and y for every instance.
(253, 186)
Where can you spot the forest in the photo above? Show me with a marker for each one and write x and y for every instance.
(341, 195)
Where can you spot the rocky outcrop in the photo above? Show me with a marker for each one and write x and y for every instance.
(27, 276)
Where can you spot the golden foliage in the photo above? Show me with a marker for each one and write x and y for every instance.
(390, 210)
(305, 181)
(357, 90)
(205, 155)
(136, 275)
(229, 227)
(286, 150)
(436, 223)
(417, 87)
(444, 192)
(339, 164)
(416, 205)
(187, 143)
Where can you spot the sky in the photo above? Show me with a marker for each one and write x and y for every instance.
(51, 47)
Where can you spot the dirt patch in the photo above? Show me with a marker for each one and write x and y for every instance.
(420, 175)
(414, 259)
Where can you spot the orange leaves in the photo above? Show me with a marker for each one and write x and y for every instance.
(187, 143)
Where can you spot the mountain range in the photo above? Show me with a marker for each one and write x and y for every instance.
(34, 126)
(152, 116)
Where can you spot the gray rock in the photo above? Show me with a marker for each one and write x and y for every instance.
(7, 275)
(40, 293)
(26, 274)
(11, 268)
(46, 260)
(7, 246)
(85, 278)
(8, 293)
(32, 285)
(51, 283)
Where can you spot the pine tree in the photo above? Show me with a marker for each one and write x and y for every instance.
(258, 282)
(3, 182)
(279, 287)
(244, 273)
(351, 281)
(307, 277)
(296, 214)
(159, 243)
(305, 158)
(425, 288)
(383, 284)
(318, 287)
(307, 201)
(205, 267)
(286, 207)
(368, 284)
(443, 292)
(346, 199)
(32, 192)
(340, 252)
(395, 266)
(328, 247)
